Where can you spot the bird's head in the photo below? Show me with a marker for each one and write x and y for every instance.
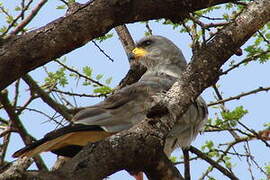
(153, 51)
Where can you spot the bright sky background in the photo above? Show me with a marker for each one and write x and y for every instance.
(240, 80)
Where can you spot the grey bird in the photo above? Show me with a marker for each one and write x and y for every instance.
(128, 106)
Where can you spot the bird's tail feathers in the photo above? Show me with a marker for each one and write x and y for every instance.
(58, 141)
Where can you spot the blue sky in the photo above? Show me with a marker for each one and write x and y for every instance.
(240, 80)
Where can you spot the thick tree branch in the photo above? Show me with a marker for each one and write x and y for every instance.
(21, 54)
(136, 70)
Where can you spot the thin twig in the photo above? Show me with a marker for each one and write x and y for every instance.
(212, 128)
(248, 162)
(77, 94)
(7, 131)
(63, 1)
(22, 10)
(21, 15)
(188, 30)
(37, 111)
(224, 109)
(33, 13)
(186, 164)
(46, 98)
(102, 51)
(213, 163)
(245, 61)
(207, 26)
(257, 135)
(264, 38)
(79, 74)
(4, 145)
(17, 86)
(260, 89)
(148, 28)
(16, 123)
(3, 121)
(20, 109)
(211, 18)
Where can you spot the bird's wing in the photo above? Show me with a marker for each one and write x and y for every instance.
(121, 110)
(118, 112)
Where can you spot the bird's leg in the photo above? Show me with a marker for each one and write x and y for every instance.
(138, 176)
(186, 162)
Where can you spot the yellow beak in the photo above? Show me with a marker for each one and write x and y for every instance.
(139, 52)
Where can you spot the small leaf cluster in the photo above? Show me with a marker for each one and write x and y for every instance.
(257, 47)
(105, 89)
(212, 152)
(57, 77)
(229, 119)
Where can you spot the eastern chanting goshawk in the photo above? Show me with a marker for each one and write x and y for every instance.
(129, 105)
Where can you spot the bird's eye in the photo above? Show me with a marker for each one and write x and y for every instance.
(147, 43)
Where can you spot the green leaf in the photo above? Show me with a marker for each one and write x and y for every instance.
(226, 16)
(61, 7)
(99, 76)
(87, 71)
(173, 159)
(231, 118)
(227, 162)
(9, 19)
(3, 29)
(267, 125)
(105, 37)
(18, 8)
(108, 81)
(208, 145)
(147, 33)
(236, 114)
(267, 168)
(71, 1)
(58, 77)
(103, 90)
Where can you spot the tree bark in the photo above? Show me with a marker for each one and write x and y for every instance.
(23, 53)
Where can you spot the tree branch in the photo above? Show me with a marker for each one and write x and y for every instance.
(136, 70)
(21, 54)
(28, 18)
(16, 123)
(260, 89)
(46, 98)
(213, 163)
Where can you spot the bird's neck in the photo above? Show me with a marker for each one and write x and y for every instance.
(166, 75)
(170, 70)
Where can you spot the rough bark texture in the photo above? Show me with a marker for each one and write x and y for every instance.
(21, 54)
(120, 152)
